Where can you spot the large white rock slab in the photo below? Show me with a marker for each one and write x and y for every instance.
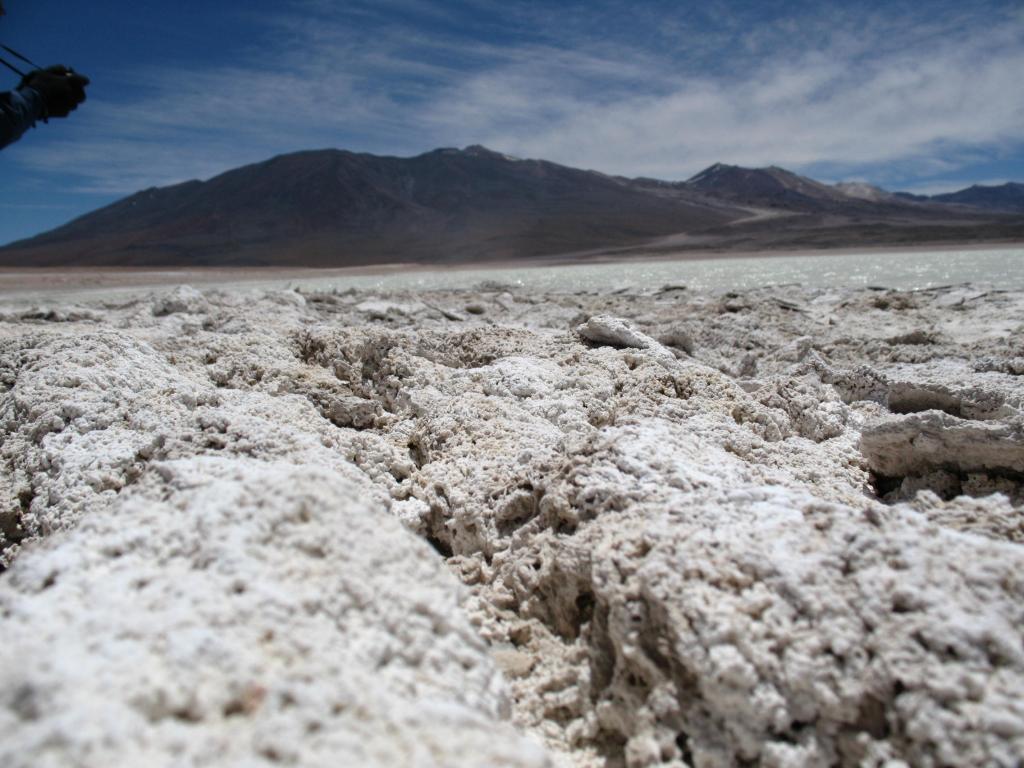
(230, 612)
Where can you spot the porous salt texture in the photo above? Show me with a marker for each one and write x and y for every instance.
(780, 527)
(240, 612)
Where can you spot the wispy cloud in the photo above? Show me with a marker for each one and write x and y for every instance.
(835, 103)
(869, 95)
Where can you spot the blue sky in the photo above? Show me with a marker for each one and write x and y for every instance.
(923, 96)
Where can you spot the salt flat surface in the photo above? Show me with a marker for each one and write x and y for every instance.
(1001, 267)
(506, 525)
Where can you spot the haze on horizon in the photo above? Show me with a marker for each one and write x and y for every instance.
(919, 97)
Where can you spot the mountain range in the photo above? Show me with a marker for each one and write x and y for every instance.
(1004, 197)
(338, 208)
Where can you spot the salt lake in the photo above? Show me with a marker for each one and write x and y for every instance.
(996, 267)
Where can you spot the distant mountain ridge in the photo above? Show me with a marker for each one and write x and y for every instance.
(758, 185)
(336, 208)
(1002, 197)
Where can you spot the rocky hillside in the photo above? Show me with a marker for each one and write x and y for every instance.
(337, 208)
(329, 208)
(767, 186)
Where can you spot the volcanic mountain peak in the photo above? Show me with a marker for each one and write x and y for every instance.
(331, 207)
(479, 150)
(473, 151)
(719, 173)
(772, 184)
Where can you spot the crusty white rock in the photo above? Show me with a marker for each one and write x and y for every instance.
(232, 611)
(737, 551)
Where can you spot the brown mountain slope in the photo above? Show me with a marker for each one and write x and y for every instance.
(332, 208)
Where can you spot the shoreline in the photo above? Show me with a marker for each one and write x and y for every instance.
(17, 280)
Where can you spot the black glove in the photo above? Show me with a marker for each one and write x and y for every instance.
(61, 87)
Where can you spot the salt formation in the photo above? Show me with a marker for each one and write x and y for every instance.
(780, 527)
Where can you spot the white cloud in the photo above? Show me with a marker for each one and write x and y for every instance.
(824, 106)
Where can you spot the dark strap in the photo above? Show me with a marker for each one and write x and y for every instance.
(17, 55)
(11, 67)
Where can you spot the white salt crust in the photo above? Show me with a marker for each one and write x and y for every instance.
(780, 527)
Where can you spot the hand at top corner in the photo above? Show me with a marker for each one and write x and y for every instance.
(61, 88)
